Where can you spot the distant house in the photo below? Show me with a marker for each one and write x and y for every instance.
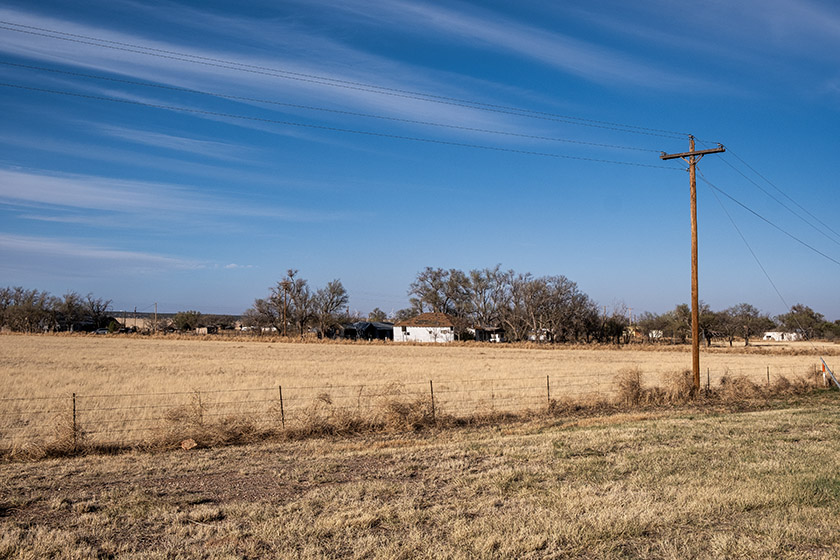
(426, 327)
(368, 330)
(780, 336)
(488, 334)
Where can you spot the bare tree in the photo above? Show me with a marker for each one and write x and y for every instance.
(377, 315)
(488, 295)
(97, 309)
(263, 314)
(328, 303)
(515, 313)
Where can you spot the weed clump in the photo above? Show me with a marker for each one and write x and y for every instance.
(738, 388)
(629, 389)
(679, 387)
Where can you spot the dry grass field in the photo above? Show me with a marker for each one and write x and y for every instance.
(751, 477)
(130, 389)
(672, 484)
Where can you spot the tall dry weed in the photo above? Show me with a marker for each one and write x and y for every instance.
(629, 389)
(678, 387)
(738, 388)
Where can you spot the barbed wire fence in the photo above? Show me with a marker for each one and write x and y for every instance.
(130, 419)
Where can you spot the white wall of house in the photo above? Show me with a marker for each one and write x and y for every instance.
(423, 334)
(779, 336)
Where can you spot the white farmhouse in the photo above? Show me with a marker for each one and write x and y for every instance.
(426, 327)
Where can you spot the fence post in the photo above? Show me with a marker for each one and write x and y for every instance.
(493, 396)
(548, 391)
(282, 412)
(708, 380)
(768, 376)
(75, 430)
(432, 392)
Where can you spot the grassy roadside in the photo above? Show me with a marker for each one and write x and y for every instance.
(674, 483)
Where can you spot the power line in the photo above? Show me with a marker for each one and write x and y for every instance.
(780, 203)
(329, 128)
(762, 218)
(333, 82)
(764, 270)
(325, 109)
(822, 223)
(749, 247)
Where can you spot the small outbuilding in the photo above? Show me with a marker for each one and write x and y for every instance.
(488, 333)
(368, 330)
(426, 327)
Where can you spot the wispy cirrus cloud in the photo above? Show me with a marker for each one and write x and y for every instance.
(224, 151)
(495, 32)
(102, 194)
(52, 248)
(314, 69)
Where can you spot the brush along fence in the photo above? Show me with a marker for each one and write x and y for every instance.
(69, 422)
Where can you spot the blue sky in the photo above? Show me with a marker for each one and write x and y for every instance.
(188, 153)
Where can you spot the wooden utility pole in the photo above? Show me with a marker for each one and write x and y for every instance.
(691, 157)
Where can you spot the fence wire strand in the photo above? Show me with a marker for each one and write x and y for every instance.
(109, 416)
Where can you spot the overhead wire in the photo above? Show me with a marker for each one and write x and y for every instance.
(787, 306)
(334, 82)
(324, 109)
(767, 221)
(782, 204)
(751, 168)
(328, 128)
(810, 224)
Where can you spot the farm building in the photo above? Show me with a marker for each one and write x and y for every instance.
(426, 327)
(368, 330)
(488, 334)
(779, 336)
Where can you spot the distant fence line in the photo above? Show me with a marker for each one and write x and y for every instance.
(129, 418)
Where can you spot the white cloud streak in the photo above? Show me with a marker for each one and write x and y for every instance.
(100, 194)
(498, 33)
(313, 55)
(45, 247)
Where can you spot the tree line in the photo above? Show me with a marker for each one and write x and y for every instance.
(29, 311)
(523, 306)
(33, 311)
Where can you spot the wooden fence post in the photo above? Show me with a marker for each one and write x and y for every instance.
(75, 429)
(282, 412)
(432, 392)
(548, 391)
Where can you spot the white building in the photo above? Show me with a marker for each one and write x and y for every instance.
(780, 336)
(426, 327)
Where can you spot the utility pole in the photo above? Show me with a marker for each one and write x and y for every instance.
(691, 157)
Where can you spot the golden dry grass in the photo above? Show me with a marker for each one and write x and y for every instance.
(49, 365)
(129, 387)
(671, 485)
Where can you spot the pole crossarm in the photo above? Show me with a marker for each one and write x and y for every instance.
(700, 153)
